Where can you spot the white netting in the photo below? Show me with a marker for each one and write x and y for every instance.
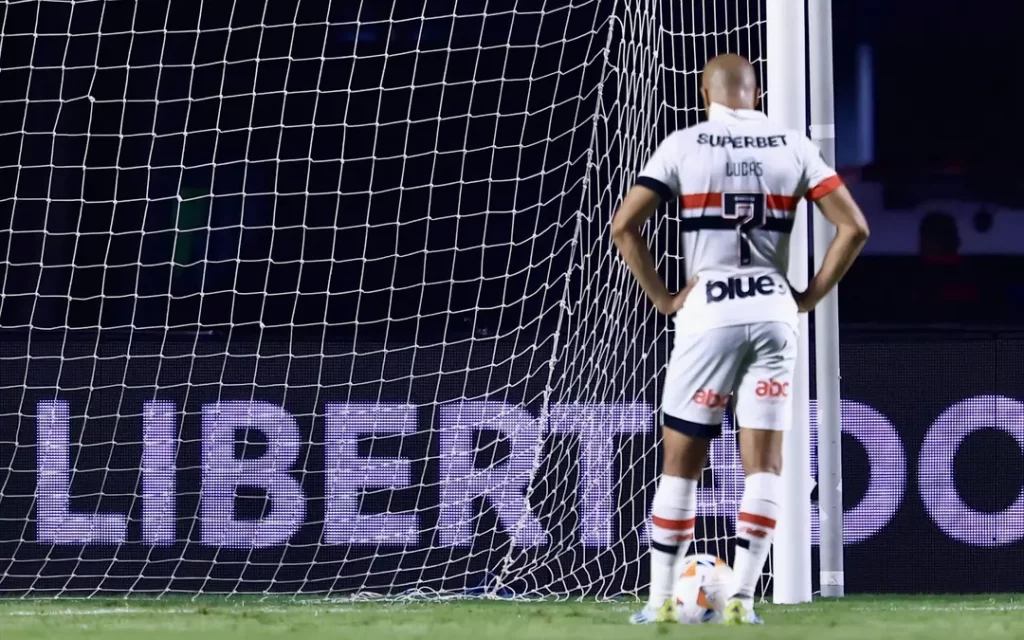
(319, 296)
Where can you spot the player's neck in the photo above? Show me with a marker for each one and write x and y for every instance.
(718, 112)
(732, 105)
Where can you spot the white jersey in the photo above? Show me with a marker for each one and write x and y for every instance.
(739, 179)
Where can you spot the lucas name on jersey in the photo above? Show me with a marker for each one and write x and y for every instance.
(747, 168)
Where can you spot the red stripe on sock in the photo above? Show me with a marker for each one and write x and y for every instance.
(754, 519)
(673, 525)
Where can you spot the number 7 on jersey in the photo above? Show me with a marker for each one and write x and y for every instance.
(749, 211)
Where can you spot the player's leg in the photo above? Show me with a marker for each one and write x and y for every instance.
(764, 411)
(698, 384)
(761, 453)
(673, 511)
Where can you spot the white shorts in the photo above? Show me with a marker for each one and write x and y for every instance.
(752, 364)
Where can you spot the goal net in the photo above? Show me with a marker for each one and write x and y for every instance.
(319, 297)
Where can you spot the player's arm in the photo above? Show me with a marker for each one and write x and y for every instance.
(839, 208)
(640, 204)
(657, 182)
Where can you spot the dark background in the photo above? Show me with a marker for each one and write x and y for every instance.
(414, 171)
(393, 178)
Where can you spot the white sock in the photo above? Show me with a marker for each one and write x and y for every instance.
(754, 529)
(673, 512)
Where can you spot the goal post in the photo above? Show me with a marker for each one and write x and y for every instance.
(786, 97)
(826, 315)
(799, 75)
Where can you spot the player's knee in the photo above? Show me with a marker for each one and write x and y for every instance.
(762, 461)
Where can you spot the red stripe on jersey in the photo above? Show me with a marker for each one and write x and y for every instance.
(674, 525)
(825, 187)
(712, 200)
(700, 200)
(782, 203)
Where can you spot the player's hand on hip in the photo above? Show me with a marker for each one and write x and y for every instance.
(805, 302)
(674, 303)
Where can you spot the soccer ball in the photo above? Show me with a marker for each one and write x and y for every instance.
(701, 588)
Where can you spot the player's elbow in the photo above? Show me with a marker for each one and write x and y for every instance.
(853, 235)
(860, 231)
(841, 210)
(851, 223)
(621, 226)
(856, 231)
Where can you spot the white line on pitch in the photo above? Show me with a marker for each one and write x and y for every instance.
(114, 611)
(927, 607)
(88, 612)
(820, 608)
(327, 610)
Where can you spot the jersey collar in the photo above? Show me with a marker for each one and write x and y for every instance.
(721, 113)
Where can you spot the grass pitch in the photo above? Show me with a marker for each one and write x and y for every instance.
(248, 618)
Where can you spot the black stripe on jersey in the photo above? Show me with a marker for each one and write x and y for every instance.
(657, 186)
(702, 223)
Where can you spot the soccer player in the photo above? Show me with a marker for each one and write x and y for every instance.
(739, 179)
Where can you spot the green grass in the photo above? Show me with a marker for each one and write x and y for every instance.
(873, 618)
